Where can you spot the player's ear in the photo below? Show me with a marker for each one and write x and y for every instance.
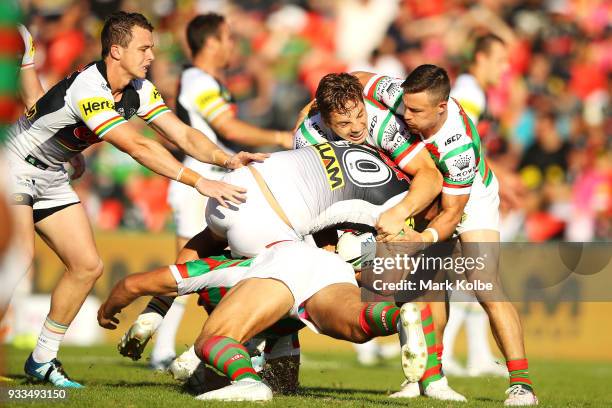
(115, 52)
(442, 106)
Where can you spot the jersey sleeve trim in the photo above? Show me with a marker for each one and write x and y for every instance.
(109, 124)
(405, 154)
(455, 190)
(154, 113)
(307, 135)
(372, 86)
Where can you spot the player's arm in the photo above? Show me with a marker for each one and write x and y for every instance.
(302, 115)
(447, 220)
(198, 145)
(425, 186)
(31, 89)
(157, 282)
(155, 157)
(238, 131)
(363, 76)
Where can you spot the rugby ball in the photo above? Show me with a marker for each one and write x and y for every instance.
(350, 250)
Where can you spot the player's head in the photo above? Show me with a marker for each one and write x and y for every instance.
(490, 58)
(339, 99)
(128, 39)
(426, 91)
(210, 33)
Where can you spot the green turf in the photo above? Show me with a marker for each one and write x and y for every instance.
(325, 379)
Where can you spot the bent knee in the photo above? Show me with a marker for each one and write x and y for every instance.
(90, 269)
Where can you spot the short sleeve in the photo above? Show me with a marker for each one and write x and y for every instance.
(386, 91)
(93, 104)
(29, 50)
(459, 169)
(152, 104)
(210, 101)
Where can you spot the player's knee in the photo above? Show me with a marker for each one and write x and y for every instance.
(87, 270)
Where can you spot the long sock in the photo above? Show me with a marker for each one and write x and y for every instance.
(433, 368)
(519, 372)
(456, 317)
(477, 329)
(166, 334)
(159, 305)
(379, 319)
(229, 357)
(50, 338)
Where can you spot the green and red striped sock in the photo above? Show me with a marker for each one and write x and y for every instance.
(519, 372)
(229, 357)
(379, 319)
(433, 368)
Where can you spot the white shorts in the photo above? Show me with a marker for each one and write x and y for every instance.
(304, 269)
(482, 209)
(250, 226)
(188, 206)
(43, 189)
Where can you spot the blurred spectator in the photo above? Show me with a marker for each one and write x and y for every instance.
(560, 55)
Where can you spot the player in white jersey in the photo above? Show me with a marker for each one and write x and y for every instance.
(470, 197)
(489, 62)
(204, 103)
(87, 107)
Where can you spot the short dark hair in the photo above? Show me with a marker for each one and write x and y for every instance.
(334, 93)
(202, 27)
(428, 78)
(118, 29)
(484, 43)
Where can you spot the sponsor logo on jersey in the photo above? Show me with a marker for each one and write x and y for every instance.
(155, 96)
(92, 106)
(394, 90)
(373, 125)
(335, 178)
(462, 162)
(452, 139)
(316, 127)
(205, 98)
(390, 131)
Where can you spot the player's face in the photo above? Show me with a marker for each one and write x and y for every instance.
(225, 44)
(422, 113)
(137, 57)
(351, 125)
(496, 62)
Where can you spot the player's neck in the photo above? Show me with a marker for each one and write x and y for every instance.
(117, 77)
(435, 129)
(207, 64)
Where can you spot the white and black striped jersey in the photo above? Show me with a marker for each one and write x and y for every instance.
(76, 113)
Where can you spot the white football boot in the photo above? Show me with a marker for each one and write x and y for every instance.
(135, 340)
(243, 390)
(519, 396)
(184, 365)
(440, 390)
(412, 341)
(408, 390)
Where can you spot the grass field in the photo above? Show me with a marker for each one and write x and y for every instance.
(326, 380)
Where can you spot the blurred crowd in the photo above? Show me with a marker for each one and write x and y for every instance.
(549, 119)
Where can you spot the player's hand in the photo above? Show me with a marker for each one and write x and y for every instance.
(243, 158)
(221, 191)
(390, 224)
(408, 235)
(107, 318)
(78, 166)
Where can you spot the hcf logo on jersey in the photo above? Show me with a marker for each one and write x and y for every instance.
(92, 106)
(335, 178)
